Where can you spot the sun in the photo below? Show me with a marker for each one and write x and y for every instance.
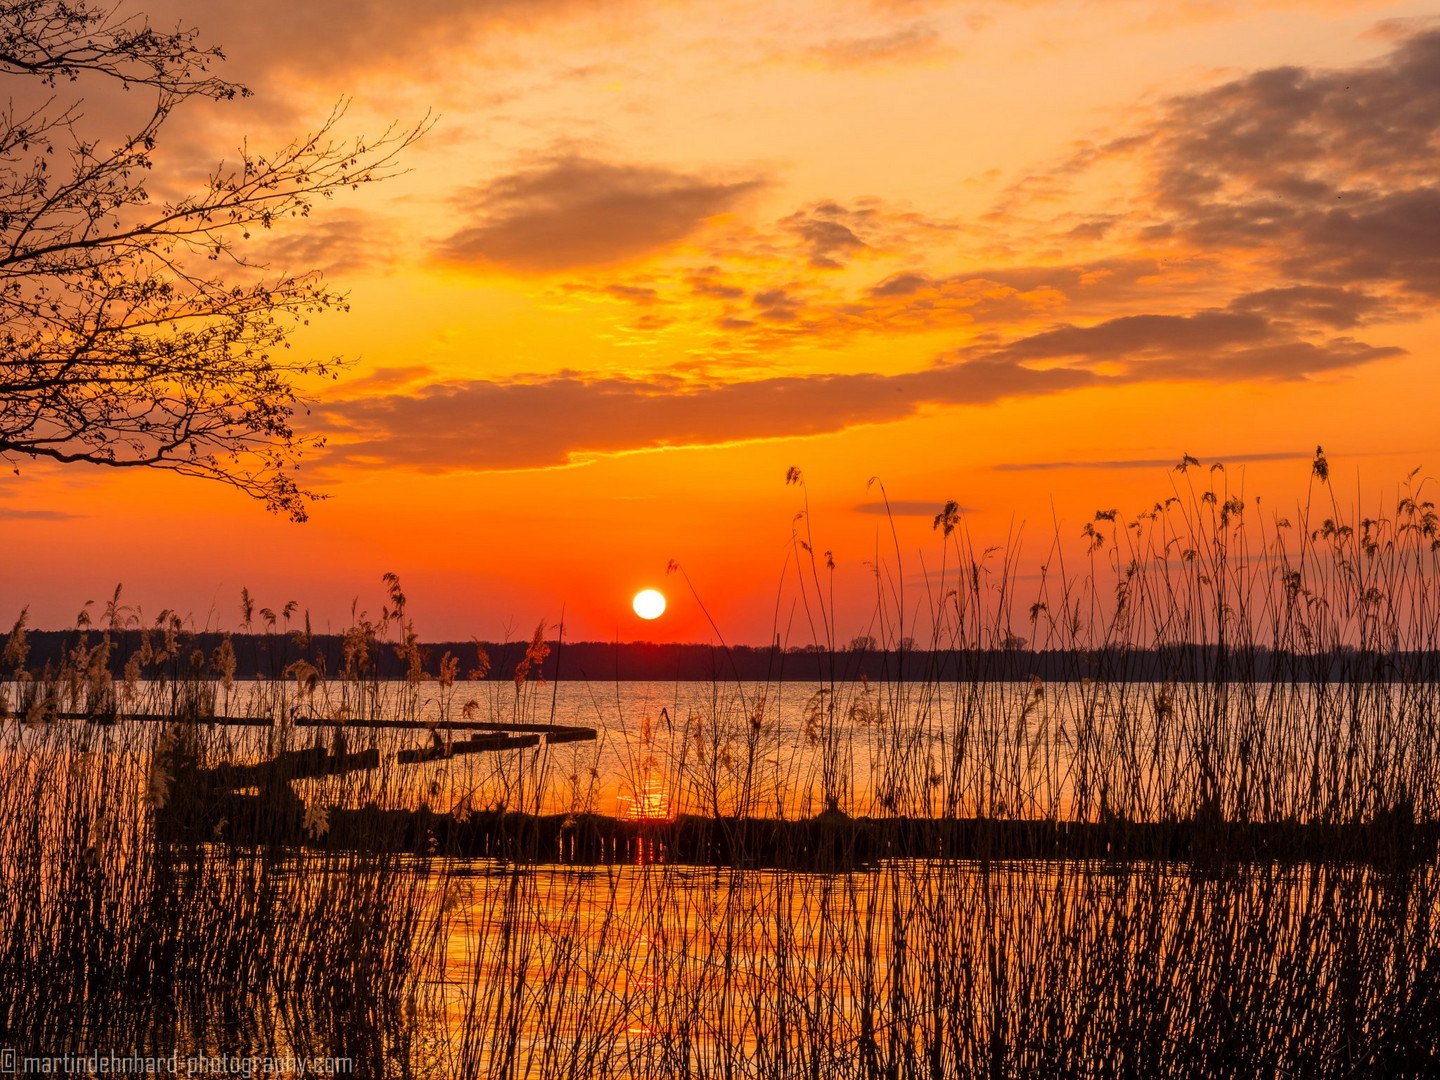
(649, 604)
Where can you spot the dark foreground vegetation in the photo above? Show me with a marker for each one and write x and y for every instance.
(1119, 872)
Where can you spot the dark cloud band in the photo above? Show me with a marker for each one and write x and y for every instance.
(486, 424)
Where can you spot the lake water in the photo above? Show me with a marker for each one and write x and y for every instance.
(1026, 749)
(905, 968)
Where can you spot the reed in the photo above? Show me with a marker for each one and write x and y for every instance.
(127, 923)
(1208, 669)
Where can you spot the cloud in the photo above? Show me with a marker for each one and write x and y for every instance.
(1290, 204)
(915, 302)
(346, 241)
(484, 424)
(1220, 345)
(905, 508)
(1401, 27)
(1149, 463)
(1325, 176)
(8, 513)
(521, 424)
(802, 309)
(389, 378)
(827, 239)
(329, 37)
(918, 42)
(907, 283)
(706, 282)
(574, 212)
(635, 294)
(777, 305)
(1159, 335)
(1315, 304)
(1279, 213)
(760, 286)
(1005, 295)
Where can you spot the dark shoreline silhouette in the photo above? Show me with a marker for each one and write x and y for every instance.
(825, 843)
(268, 656)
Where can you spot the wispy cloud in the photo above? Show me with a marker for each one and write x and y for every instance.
(343, 242)
(1149, 463)
(905, 508)
(385, 379)
(11, 513)
(327, 37)
(906, 44)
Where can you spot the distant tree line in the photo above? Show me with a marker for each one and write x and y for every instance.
(270, 655)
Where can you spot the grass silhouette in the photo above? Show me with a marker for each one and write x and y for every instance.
(1208, 849)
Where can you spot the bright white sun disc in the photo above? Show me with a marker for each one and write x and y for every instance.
(649, 604)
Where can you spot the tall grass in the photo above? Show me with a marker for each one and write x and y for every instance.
(1205, 664)
(1265, 682)
(124, 925)
(933, 968)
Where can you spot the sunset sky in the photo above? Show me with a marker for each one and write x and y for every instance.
(1023, 255)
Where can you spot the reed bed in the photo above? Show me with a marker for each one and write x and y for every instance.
(1207, 663)
(125, 928)
(928, 968)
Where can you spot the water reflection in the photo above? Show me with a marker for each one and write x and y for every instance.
(940, 969)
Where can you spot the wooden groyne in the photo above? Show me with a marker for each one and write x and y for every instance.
(255, 805)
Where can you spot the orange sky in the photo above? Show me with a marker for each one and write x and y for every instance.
(653, 254)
